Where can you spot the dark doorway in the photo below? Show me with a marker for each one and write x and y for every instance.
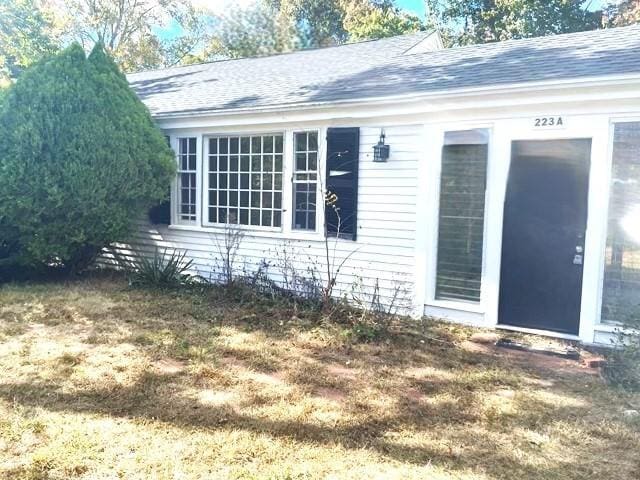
(545, 218)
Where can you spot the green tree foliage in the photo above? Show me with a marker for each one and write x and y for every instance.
(275, 26)
(319, 23)
(479, 21)
(80, 159)
(621, 13)
(129, 29)
(365, 20)
(26, 36)
(253, 31)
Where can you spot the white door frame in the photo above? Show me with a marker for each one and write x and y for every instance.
(595, 127)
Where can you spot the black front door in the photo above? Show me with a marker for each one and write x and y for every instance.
(545, 217)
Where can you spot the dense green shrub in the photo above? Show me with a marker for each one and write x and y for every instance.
(80, 160)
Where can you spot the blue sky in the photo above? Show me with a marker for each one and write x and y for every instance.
(414, 6)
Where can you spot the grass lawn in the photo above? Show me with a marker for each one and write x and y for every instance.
(100, 381)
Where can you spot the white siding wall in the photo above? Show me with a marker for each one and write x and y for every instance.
(384, 252)
(396, 244)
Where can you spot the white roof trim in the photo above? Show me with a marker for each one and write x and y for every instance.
(582, 82)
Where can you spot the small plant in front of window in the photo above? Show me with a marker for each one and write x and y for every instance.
(162, 269)
(374, 314)
(301, 283)
(623, 361)
(227, 247)
(333, 264)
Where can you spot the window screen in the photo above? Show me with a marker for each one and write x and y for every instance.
(461, 215)
(245, 180)
(187, 179)
(621, 289)
(305, 180)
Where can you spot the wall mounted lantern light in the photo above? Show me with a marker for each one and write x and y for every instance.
(381, 151)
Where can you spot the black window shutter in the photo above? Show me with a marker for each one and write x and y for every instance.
(343, 146)
(161, 214)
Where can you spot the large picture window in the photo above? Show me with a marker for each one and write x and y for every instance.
(461, 215)
(244, 175)
(187, 179)
(305, 180)
(621, 289)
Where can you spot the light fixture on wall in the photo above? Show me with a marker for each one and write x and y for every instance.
(381, 151)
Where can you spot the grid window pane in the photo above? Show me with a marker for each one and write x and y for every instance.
(187, 178)
(267, 144)
(245, 175)
(304, 180)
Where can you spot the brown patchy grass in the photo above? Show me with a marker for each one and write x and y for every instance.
(99, 381)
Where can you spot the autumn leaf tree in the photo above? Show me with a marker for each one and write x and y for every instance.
(465, 22)
(27, 34)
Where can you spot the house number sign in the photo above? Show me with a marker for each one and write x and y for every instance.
(549, 122)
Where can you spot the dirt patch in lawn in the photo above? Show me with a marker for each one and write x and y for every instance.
(169, 366)
(101, 381)
(553, 364)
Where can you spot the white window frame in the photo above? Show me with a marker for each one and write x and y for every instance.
(599, 322)
(285, 232)
(468, 304)
(433, 173)
(318, 181)
(204, 169)
(176, 216)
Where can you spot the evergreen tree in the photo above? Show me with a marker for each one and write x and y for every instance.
(80, 160)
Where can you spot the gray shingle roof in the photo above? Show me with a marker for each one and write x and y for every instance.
(382, 68)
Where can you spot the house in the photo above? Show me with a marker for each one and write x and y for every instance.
(510, 196)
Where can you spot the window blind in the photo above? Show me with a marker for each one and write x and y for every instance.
(461, 215)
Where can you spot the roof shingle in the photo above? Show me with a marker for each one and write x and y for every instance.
(382, 68)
